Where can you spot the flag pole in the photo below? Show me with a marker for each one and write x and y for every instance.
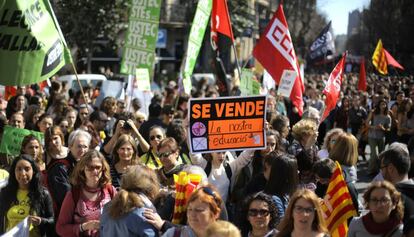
(80, 85)
(237, 59)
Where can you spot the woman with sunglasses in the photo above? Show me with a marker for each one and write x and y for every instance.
(259, 216)
(303, 216)
(91, 190)
(24, 197)
(203, 208)
(168, 152)
(385, 213)
(124, 156)
(151, 159)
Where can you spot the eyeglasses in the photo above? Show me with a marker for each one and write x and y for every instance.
(152, 138)
(257, 212)
(165, 154)
(383, 201)
(301, 210)
(93, 168)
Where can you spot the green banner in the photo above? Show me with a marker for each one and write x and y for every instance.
(12, 139)
(248, 86)
(198, 28)
(141, 39)
(32, 47)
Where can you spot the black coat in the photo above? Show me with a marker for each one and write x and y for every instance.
(46, 226)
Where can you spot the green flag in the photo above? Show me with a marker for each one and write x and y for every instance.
(141, 39)
(32, 47)
(12, 139)
(198, 28)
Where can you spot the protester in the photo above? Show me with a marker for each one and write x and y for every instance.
(123, 157)
(168, 152)
(54, 144)
(32, 146)
(345, 151)
(328, 142)
(282, 181)
(281, 124)
(395, 164)
(379, 122)
(385, 212)
(91, 190)
(222, 229)
(259, 216)
(203, 208)
(45, 122)
(150, 158)
(303, 216)
(24, 197)
(17, 120)
(123, 216)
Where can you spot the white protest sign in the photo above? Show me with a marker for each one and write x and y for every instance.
(20, 230)
(286, 83)
(143, 79)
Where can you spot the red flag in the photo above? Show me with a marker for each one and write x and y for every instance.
(220, 21)
(362, 82)
(333, 87)
(391, 61)
(276, 53)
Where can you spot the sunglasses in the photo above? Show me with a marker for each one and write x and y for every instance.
(257, 212)
(152, 138)
(93, 168)
(165, 154)
(210, 192)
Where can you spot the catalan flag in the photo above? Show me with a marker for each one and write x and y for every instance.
(337, 205)
(379, 59)
(185, 185)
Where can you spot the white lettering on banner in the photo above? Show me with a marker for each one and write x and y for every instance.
(199, 24)
(54, 54)
(336, 83)
(143, 28)
(140, 12)
(138, 57)
(280, 38)
(137, 41)
(149, 3)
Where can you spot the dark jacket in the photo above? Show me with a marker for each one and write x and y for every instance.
(46, 226)
(406, 189)
(58, 179)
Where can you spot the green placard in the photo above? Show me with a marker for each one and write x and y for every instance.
(32, 47)
(246, 82)
(143, 79)
(12, 139)
(141, 39)
(198, 28)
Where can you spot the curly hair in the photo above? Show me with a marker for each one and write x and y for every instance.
(304, 127)
(244, 223)
(328, 137)
(78, 177)
(398, 211)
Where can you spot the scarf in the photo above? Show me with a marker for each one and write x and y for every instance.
(375, 228)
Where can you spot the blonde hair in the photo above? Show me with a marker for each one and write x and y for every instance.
(223, 229)
(318, 224)
(345, 150)
(137, 180)
(304, 127)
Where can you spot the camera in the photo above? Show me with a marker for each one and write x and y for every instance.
(127, 126)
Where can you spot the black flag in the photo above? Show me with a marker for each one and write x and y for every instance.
(323, 45)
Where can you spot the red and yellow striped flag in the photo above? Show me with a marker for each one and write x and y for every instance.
(337, 205)
(379, 59)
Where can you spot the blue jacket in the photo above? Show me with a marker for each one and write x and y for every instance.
(132, 224)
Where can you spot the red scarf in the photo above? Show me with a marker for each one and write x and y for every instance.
(375, 228)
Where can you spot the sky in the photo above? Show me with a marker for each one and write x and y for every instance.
(337, 11)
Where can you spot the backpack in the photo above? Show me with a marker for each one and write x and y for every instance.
(52, 164)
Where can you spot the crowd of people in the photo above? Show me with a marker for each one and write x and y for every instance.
(108, 169)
